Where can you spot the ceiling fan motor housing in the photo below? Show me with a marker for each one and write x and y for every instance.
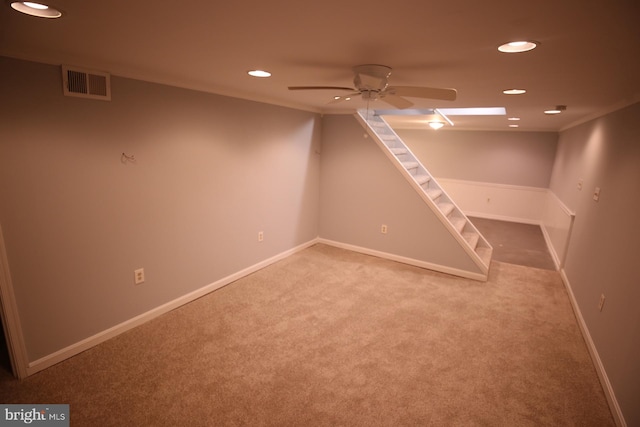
(370, 95)
(371, 77)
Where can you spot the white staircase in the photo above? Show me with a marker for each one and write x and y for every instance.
(469, 238)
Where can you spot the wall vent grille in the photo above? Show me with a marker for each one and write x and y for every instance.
(86, 83)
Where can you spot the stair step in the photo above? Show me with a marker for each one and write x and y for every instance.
(410, 165)
(399, 151)
(459, 223)
(423, 179)
(472, 239)
(434, 193)
(446, 208)
(485, 254)
(387, 137)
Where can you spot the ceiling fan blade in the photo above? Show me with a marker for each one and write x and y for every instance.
(321, 88)
(425, 92)
(396, 101)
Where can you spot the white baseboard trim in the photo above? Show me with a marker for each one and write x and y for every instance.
(595, 357)
(79, 347)
(550, 247)
(404, 260)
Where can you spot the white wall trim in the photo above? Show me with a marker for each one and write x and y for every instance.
(595, 357)
(561, 204)
(79, 347)
(11, 318)
(405, 260)
(552, 250)
(506, 202)
(557, 226)
(503, 218)
(494, 184)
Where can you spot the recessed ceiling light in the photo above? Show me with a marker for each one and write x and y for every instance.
(559, 109)
(337, 97)
(435, 125)
(514, 126)
(259, 73)
(513, 119)
(36, 9)
(518, 46)
(35, 5)
(514, 91)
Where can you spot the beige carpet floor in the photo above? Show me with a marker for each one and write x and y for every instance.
(329, 337)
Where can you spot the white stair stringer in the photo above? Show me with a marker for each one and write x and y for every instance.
(456, 222)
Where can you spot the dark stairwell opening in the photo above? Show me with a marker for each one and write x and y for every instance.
(516, 243)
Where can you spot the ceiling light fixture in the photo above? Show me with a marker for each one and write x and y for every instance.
(514, 91)
(513, 119)
(559, 109)
(518, 46)
(514, 126)
(36, 9)
(435, 125)
(259, 73)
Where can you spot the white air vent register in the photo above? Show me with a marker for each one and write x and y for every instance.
(86, 83)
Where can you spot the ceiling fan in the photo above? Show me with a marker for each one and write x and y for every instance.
(371, 81)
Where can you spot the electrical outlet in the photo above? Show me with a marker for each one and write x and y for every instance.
(138, 276)
(596, 194)
(383, 229)
(601, 303)
(260, 236)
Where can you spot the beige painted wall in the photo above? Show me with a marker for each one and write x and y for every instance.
(603, 252)
(210, 172)
(512, 158)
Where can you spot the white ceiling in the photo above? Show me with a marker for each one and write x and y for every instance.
(589, 57)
